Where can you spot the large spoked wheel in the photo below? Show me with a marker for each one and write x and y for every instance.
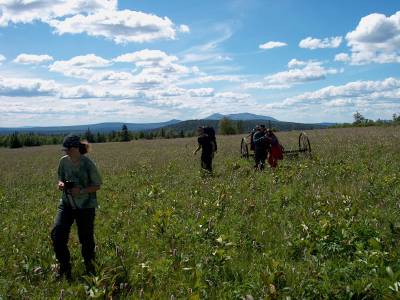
(244, 150)
(304, 144)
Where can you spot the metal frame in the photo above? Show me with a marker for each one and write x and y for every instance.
(304, 147)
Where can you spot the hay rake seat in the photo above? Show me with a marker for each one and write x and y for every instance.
(304, 147)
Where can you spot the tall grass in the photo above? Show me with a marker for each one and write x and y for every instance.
(326, 227)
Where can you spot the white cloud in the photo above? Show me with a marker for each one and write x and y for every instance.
(299, 72)
(343, 57)
(144, 56)
(79, 66)
(20, 87)
(45, 111)
(312, 43)
(111, 77)
(122, 26)
(271, 45)
(17, 11)
(2, 58)
(201, 92)
(375, 40)
(370, 91)
(32, 59)
(232, 95)
(184, 28)
(294, 63)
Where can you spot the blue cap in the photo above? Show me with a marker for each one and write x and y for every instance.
(71, 141)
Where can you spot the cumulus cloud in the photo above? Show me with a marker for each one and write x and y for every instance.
(123, 26)
(271, 45)
(99, 18)
(370, 91)
(19, 87)
(184, 28)
(313, 43)
(111, 77)
(17, 11)
(201, 92)
(343, 57)
(2, 58)
(295, 63)
(233, 96)
(154, 67)
(27, 59)
(145, 57)
(79, 66)
(375, 40)
(299, 72)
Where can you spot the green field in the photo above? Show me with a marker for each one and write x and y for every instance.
(321, 228)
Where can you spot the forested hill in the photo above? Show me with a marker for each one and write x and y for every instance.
(78, 129)
(188, 127)
(241, 126)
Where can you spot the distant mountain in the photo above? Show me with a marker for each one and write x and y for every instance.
(240, 116)
(249, 122)
(101, 127)
(327, 124)
(247, 125)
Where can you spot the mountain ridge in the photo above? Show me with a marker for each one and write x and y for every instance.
(174, 124)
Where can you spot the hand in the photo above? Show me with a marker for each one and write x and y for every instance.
(61, 185)
(75, 191)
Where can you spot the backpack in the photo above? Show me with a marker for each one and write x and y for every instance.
(211, 134)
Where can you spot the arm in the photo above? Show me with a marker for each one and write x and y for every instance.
(198, 148)
(256, 140)
(60, 173)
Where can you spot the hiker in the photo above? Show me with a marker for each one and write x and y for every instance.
(260, 147)
(208, 145)
(251, 135)
(275, 150)
(78, 179)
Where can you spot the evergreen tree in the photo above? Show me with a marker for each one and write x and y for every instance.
(226, 127)
(240, 126)
(89, 136)
(15, 141)
(358, 118)
(125, 134)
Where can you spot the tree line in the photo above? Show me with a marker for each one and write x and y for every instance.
(360, 121)
(18, 140)
(30, 139)
(224, 126)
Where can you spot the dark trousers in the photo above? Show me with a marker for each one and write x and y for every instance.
(260, 155)
(206, 161)
(60, 233)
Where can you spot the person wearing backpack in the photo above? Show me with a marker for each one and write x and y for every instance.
(275, 149)
(208, 144)
(260, 147)
(78, 179)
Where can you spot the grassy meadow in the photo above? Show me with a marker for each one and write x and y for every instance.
(321, 228)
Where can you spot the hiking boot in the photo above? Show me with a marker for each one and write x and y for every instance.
(90, 269)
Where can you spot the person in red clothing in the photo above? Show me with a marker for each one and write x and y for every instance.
(275, 151)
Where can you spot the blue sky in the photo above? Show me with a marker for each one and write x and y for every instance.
(89, 61)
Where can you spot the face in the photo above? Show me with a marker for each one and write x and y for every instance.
(71, 151)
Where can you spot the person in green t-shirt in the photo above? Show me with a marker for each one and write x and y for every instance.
(78, 179)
